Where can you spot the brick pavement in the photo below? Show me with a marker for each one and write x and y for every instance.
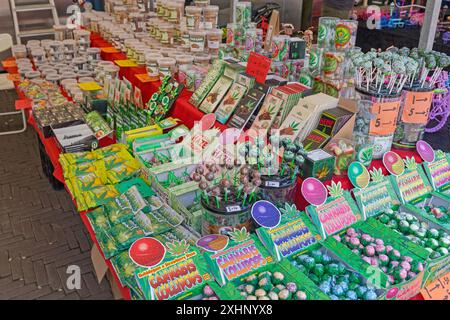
(41, 233)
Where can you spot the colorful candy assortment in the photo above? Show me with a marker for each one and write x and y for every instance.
(270, 286)
(436, 241)
(333, 277)
(375, 252)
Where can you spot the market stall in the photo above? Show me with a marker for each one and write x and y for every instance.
(262, 168)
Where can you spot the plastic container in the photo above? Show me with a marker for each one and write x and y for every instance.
(197, 41)
(193, 17)
(345, 34)
(24, 70)
(184, 39)
(93, 54)
(326, 33)
(210, 17)
(139, 55)
(243, 13)
(137, 21)
(38, 56)
(201, 3)
(19, 51)
(151, 61)
(413, 117)
(85, 79)
(111, 71)
(53, 78)
(221, 221)
(68, 75)
(166, 67)
(47, 71)
(166, 34)
(60, 32)
(84, 74)
(214, 39)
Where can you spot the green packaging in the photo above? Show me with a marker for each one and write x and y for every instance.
(294, 233)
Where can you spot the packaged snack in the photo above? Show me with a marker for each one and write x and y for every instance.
(99, 196)
(126, 233)
(99, 220)
(123, 171)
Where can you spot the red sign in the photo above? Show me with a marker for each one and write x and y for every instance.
(417, 106)
(386, 118)
(258, 66)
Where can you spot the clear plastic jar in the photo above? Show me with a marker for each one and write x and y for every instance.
(367, 129)
(129, 49)
(24, 70)
(197, 41)
(193, 17)
(120, 14)
(85, 79)
(32, 75)
(210, 17)
(80, 63)
(202, 60)
(166, 67)
(94, 24)
(60, 32)
(201, 3)
(413, 117)
(165, 34)
(84, 74)
(53, 78)
(38, 56)
(93, 54)
(137, 21)
(70, 45)
(214, 37)
(124, 38)
(139, 56)
(151, 61)
(47, 71)
(67, 82)
(111, 72)
(19, 51)
(184, 39)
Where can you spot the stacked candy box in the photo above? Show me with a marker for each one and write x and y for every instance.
(427, 234)
(383, 257)
(336, 277)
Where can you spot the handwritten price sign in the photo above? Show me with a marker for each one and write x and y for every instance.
(386, 118)
(438, 289)
(258, 66)
(417, 107)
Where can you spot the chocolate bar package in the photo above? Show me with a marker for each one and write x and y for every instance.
(248, 105)
(216, 94)
(332, 120)
(230, 102)
(214, 73)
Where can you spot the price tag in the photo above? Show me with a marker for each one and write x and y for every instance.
(258, 66)
(109, 50)
(438, 289)
(274, 184)
(233, 208)
(386, 118)
(9, 63)
(125, 63)
(417, 107)
(144, 77)
(14, 77)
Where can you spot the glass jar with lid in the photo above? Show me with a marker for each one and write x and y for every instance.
(197, 41)
(210, 17)
(120, 14)
(166, 67)
(214, 39)
(193, 17)
(151, 60)
(137, 21)
(19, 51)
